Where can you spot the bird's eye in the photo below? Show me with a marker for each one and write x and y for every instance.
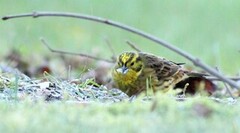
(119, 63)
(132, 64)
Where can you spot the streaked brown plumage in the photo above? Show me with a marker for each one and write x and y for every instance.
(133, 70)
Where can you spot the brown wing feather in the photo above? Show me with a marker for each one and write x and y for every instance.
(163, 68)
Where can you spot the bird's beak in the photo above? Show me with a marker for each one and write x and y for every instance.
(122, 70)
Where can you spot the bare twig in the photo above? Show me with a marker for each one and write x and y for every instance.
(133, 46)
(70, 53)
(188, 56)
(69, 72)
(228, 90)
(154, 105)
(217, 79)
(111, 49)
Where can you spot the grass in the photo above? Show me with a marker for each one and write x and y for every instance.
(206, 29)
(168, 116)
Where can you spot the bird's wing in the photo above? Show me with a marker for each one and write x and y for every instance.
(162, 67)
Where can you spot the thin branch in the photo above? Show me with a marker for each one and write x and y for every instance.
(228, 90)
(217, 79)
(70, 53)
(188, 56)
(133, 46)
(69, 72)
(111, 49)
(154, 105)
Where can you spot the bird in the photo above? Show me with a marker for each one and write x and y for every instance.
(135, 72)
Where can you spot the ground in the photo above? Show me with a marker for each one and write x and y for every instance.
(206, 29)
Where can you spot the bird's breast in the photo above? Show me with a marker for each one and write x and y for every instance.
(125, 79)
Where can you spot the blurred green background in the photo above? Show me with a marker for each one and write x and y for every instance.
(209, 30)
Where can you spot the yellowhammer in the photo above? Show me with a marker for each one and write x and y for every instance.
(134, 71)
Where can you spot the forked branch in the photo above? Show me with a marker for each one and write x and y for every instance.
(70, 53)
(159, 41)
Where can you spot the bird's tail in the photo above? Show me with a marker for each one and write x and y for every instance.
(196, 74)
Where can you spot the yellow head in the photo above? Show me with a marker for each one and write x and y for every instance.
(128, 67)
